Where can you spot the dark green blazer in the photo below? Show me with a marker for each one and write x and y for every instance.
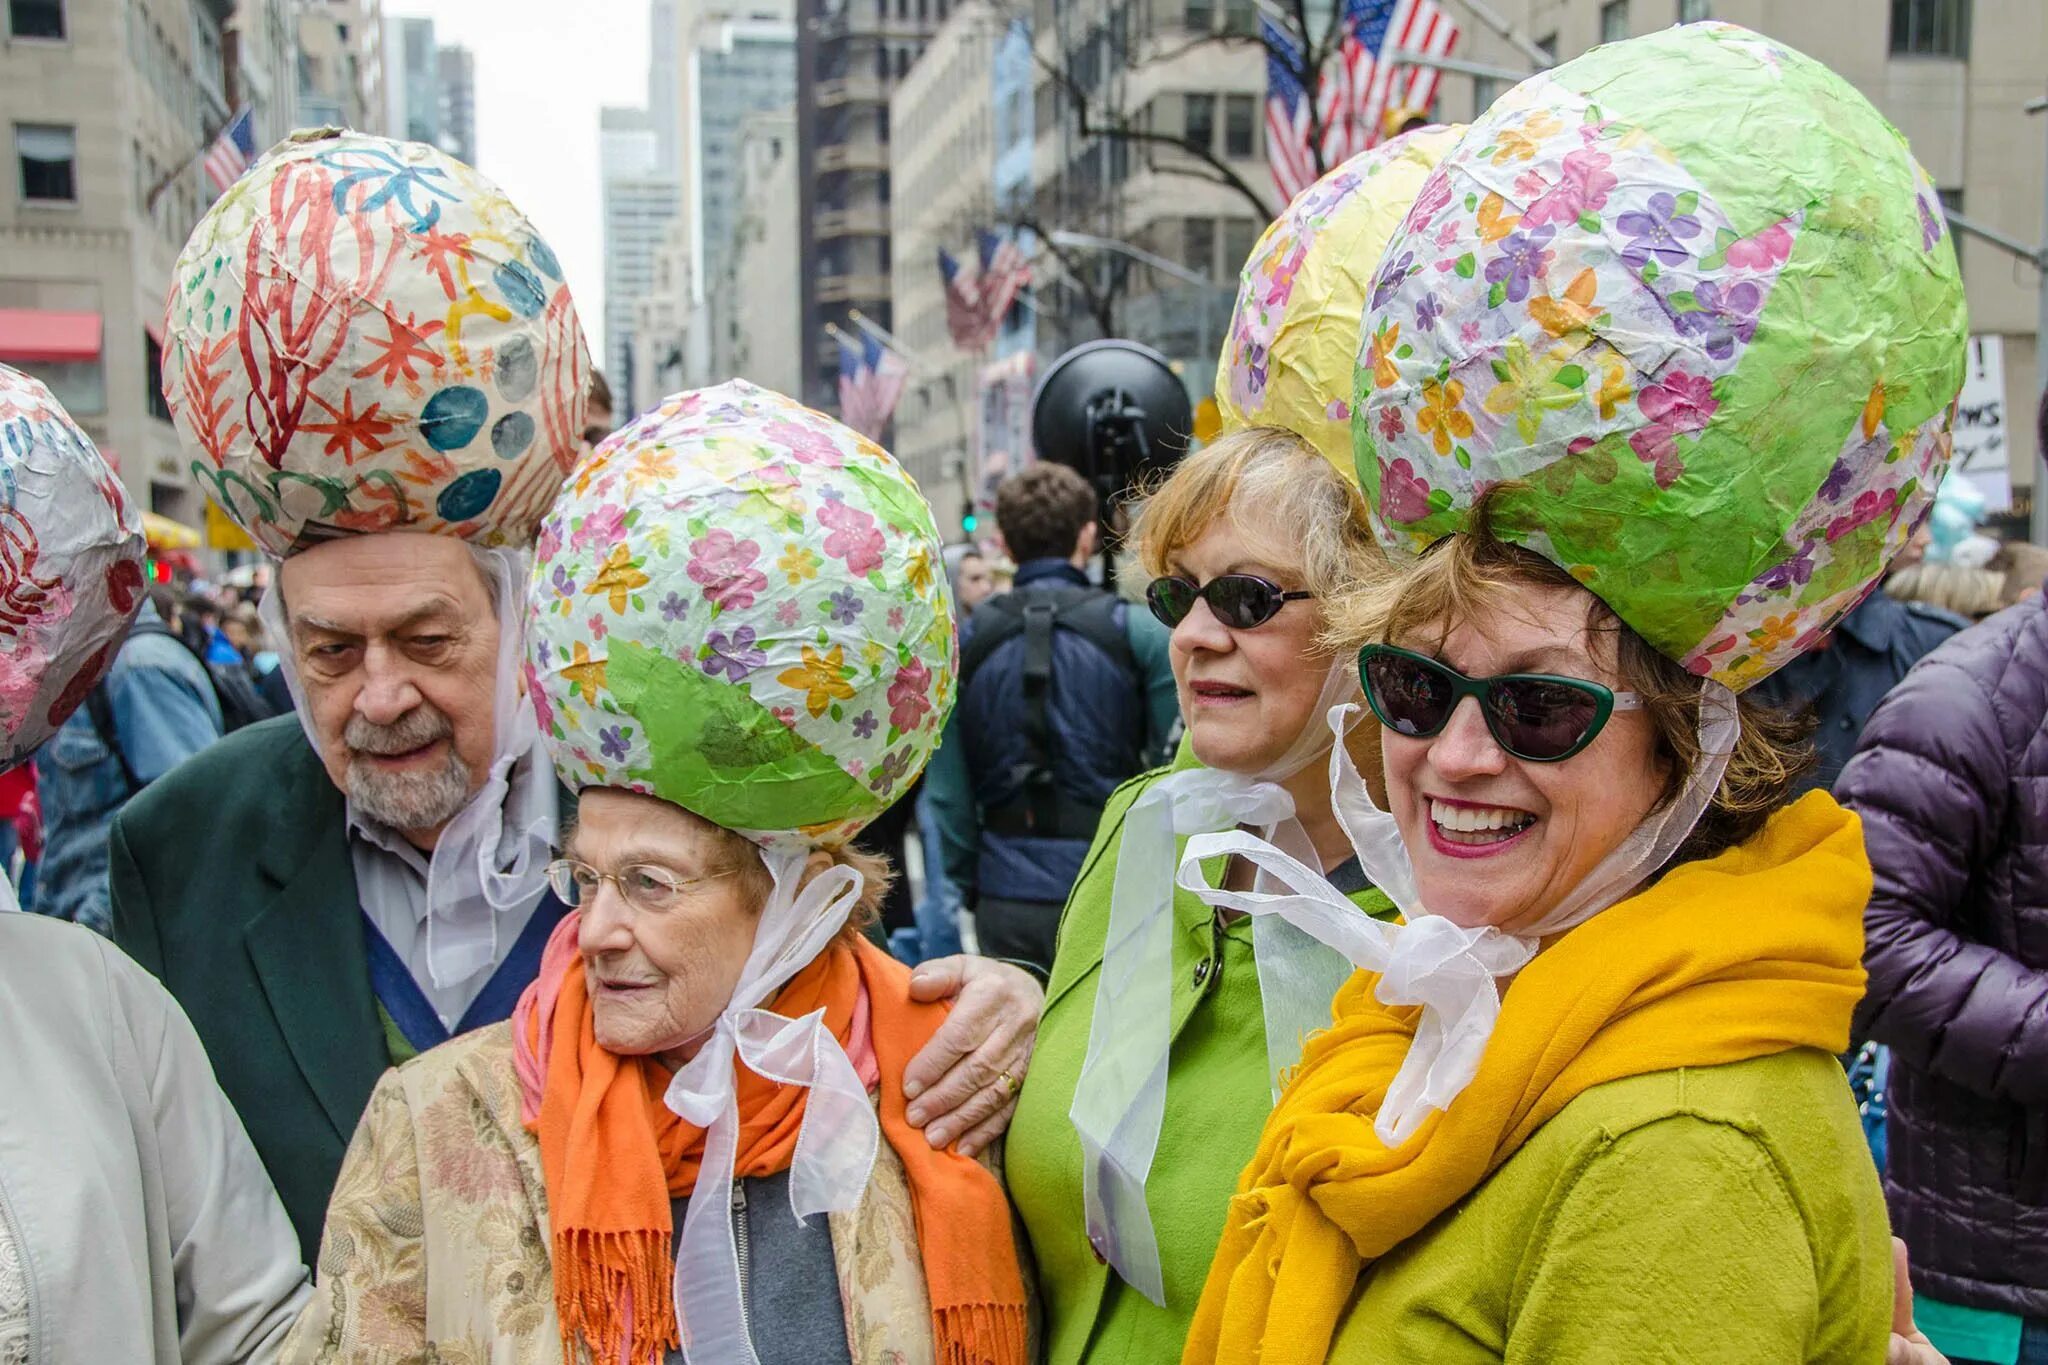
(232, 882)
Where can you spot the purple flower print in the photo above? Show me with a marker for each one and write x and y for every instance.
(1523, 260)
(1795, 572)
(895, 766)
(1427, 311)
(724, 565)
(674, 607)
(865, 724)
(1724, 316)
(612, 742)
(846, 605)
(734, 656)
(1837, 481)
(1931, 227)
(1657, 233)
(563, 585)
(1391, 279)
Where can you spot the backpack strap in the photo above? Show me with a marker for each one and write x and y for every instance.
(1033, 772)
(99, 709)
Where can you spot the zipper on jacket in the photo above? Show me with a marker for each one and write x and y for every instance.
(743, 1245)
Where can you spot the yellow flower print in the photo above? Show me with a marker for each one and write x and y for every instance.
(653, 463)
(1441, 419)
(1520, 144)
(872, 653)
(585, 674)
(1775, 631)
(1572, 310)
(1492, 225)
(1380, 355)
(919, 570)
(821, 679)
(1614, 389)
(1529, 388)
(1873, 410)
(619, 577)
(798, 563)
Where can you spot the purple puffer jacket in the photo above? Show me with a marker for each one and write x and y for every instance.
(1951, 780)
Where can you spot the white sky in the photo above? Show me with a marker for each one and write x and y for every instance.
(543, 69)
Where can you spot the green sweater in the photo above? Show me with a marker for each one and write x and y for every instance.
(1719, 1214)
(1217, 1099)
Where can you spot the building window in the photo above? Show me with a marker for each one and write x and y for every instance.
(1200, 127)
(48, 154)
(1239, 118)
(1485, 90)
(1201, 15)
(35, 18)
(153, 378)
(882, 63)
(1614, 21)
(1693, 11)
(1240, 17)
(1239, 236)
(1198, 238)
(1931, 28)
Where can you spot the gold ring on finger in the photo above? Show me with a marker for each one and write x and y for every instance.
(1011, 1085)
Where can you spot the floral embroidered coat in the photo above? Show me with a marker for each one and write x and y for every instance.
(436, 1244)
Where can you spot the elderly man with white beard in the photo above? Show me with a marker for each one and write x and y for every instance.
(387, 397)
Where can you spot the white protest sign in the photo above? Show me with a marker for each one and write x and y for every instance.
(1981, 440)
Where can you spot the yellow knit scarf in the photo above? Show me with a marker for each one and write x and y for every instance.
(1755, 952)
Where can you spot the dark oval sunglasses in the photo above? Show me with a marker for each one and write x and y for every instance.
(1239, 600)
(1537, 717)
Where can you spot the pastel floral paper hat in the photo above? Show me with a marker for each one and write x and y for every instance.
(70, 565)
(366, 335)
(1693, 295)
(1294, 335)
(738, 606)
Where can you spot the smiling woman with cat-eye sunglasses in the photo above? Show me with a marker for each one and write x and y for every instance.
(1538, 717)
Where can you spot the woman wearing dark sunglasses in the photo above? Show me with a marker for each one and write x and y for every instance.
(1582, 1103)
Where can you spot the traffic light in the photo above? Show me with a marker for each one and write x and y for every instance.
(969, 522)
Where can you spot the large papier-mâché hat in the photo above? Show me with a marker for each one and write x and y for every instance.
(70, 565)
(366, 335)
(1294, 334)
(738, 606)
(1691, 296)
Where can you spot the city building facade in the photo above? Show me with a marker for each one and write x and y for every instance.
(412, 80)
(261, 56)
(1953, 75)
(341, 64)
(851, 55)
(757, 304)
(108, 109)
(640, 203)
(456, 69)
(942, 181)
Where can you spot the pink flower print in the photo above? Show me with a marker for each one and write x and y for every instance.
(1286, 269)
(724, 566)
(1529, 184)
(895, 618)
(785, 714)
(1337, 410)
(1436, 192)
(595, 625)
(908, 701)
(604, 526)
(1764, 250)
(1468, 334)
(543, 709)
(805, 445)
(787, 614)
(1870, 505)
(550, 542)
(1404, 499)
(1682, 403)
(1392, 425)
(854, 537)
(1581, 189)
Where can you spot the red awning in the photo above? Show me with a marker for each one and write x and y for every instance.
(30, 334)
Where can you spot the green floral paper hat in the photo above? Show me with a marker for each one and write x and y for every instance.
(1294, 333)
(366, 335)
(1692, 295)
(738, 606)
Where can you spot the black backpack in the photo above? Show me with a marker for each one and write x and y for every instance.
(1090, 612)
(234, 688)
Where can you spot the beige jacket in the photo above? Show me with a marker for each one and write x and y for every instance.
(144, 1224)
(436, 1245)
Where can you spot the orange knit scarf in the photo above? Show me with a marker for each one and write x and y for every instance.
(613, 1155)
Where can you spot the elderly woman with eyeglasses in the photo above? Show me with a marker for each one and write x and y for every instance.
(1650, 444)
(712, 1052)
(1166, 1025)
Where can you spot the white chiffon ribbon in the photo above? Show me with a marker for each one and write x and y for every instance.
(489, 860)
(1120, 1101)
(1447, 970)
(839, 1136)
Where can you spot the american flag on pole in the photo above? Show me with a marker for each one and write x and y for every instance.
(871, 379)
(964, 318)
(1004, 273)
(1361, 85)
(232, 151)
